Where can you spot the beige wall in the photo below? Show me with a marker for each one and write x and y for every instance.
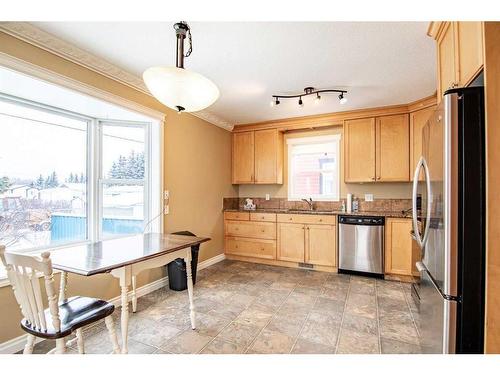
(379, 190)
(197, 173)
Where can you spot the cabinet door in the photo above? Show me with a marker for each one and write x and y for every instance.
(418, 119)
(268, 157)
(359, 150)
(446, 59)
(470, 50)
(393, 148)
(243, 158)
(321, 243)
(398, 247)
(291, 242)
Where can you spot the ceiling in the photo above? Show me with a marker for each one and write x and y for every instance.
(378, 63)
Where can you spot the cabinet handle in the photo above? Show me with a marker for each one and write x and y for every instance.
(378, 178)
(320, 220)
(263, 230)
(373, 178)
(262, 218)
(290, 219)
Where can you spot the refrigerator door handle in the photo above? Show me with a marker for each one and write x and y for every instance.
(420, 267)
(421, 164)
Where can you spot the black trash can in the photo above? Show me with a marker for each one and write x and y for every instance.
(177, 276)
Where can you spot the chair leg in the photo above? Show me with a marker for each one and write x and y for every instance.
(30, 343)
(110, 325)
(60, 346)
(79, 341)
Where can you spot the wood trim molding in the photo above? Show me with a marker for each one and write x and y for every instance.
(337, 118)
(44, 40)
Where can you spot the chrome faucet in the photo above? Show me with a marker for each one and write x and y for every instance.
(310, 203)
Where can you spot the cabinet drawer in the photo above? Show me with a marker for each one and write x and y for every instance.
(307, 219)
(251, 229)
(251, 247)
(255, 216)
(234, 215)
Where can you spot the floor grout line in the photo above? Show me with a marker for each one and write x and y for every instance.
(275, 313)
(378, 319)
(307, 318)
(343, 315)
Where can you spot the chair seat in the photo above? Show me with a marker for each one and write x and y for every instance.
(75, 312)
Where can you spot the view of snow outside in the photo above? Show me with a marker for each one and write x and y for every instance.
(43, 178)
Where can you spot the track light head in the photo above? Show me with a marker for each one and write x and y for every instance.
(317, 98)
(277, 102)
(301, 103)
(342, 98)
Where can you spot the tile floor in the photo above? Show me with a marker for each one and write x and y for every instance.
(251, 308)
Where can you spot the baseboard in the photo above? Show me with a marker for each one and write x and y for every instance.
(17, 343)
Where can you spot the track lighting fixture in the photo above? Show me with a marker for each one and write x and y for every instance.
(309, 91)
(342, 98)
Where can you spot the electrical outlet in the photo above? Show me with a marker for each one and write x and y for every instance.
(166, 209)
(368, 197)
(268, 197)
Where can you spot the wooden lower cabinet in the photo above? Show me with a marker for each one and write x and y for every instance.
(321, 241)
(262, 230)
(400, 253)
(251, 247)
(291, 243)
(283, 240)
(308, 243)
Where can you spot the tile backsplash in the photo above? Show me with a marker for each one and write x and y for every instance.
(383, 205)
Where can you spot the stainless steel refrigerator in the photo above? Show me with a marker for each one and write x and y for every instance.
(449, 227)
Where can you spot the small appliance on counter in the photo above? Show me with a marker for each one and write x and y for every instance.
(249, 205)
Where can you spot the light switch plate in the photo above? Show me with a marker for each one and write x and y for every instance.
(268, 197)
(368, 197)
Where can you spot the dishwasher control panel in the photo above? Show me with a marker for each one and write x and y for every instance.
(362, 220)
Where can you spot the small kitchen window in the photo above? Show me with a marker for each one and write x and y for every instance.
(313, 168)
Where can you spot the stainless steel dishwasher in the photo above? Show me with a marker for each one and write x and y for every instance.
(361, 244)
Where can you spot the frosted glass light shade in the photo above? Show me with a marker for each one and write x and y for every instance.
(180, 87)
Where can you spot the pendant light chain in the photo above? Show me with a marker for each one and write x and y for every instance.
(190, 39)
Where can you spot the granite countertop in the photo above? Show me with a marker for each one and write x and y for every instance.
(395, 214)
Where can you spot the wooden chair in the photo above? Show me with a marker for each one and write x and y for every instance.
(61, 318)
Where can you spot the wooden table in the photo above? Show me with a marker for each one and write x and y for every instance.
(124, 258)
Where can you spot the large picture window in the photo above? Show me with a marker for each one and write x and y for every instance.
(313, 168)
(66, 178)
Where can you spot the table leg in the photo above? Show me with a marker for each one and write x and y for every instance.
(63, 286)
(134, 294)
(124, 274)
(190, 288)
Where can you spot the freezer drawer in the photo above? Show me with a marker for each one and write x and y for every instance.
(361, 248)
(436, 319)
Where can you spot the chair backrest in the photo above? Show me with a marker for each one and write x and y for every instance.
(23, 272)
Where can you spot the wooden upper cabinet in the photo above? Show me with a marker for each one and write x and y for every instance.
(470, 50)
(321, 241)
(243, 158)
(268, 157)
(418, 119)
(447, 71)
(392, 148)
(399, 251)
(258, 157)
(359, 150)
(459, 53)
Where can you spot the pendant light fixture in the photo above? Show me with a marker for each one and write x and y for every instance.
(179, 88)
